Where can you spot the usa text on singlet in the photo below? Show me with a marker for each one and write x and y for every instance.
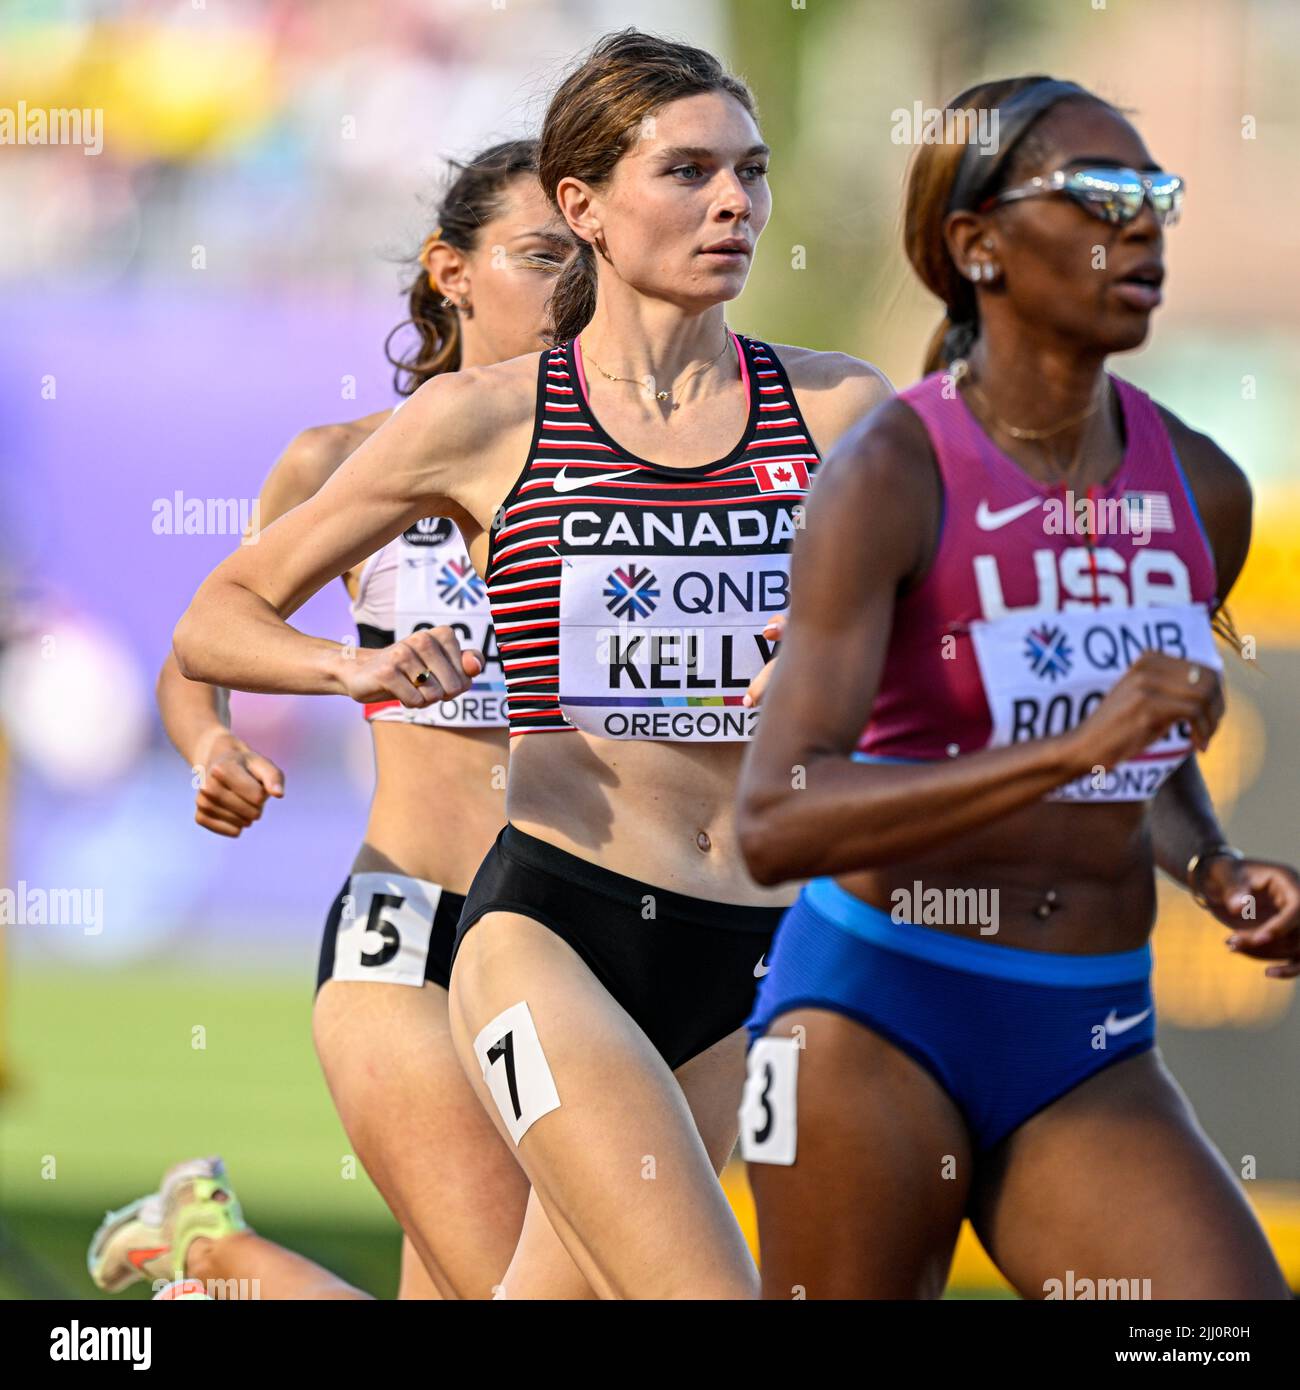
(630, 598)
(1038, 600)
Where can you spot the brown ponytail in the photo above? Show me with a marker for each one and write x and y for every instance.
(955, 176)
(472, 200)
(595, 117)
(573, 300)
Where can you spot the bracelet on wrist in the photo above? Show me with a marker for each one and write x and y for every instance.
(1199, 860)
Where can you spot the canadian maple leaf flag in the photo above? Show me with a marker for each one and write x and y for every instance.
(781, 475)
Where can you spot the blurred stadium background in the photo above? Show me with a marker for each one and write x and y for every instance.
(224, 272)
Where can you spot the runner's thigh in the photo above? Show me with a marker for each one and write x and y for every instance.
(711, 1082)
(1117, 1181)
(419, 1130)
(618, 1165)
(872, 1205)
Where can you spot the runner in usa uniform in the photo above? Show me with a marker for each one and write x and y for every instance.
(479, 296)
(635, 490)
(997, 671)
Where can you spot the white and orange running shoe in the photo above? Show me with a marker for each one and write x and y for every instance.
(129, 1246)
(150, 1237)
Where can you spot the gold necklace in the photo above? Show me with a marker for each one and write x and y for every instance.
(663, 395)
(1065, 474)
(1017, 432)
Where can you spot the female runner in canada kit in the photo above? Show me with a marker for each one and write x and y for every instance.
(479, 297)
(610, 945)
(957, 1017)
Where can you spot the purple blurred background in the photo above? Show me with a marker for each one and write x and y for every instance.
(154, 394)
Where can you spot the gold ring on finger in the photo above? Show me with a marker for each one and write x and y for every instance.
(424, 677)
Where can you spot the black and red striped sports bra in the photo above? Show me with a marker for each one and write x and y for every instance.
(629, 599)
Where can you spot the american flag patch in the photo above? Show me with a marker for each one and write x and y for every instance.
(1149, 511)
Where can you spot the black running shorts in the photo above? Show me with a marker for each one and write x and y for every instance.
(684, 968)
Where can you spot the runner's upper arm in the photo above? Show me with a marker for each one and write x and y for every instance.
(869, 529)
(1223, 498)
(835, 391)
(308, 461)
(388, 483)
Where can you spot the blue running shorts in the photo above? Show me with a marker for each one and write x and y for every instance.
(1004, 1031)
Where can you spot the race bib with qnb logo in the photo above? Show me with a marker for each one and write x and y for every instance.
(438, 587)
(665, 646)
(1044, 673)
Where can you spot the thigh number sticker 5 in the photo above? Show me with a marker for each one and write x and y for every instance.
(384, 929)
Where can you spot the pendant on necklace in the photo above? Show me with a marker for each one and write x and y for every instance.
(661, 395)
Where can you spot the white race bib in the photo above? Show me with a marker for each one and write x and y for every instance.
(384, 929)
(665, 646)
(769, 1121)
(1045, 672)
(516, 1070)
(436, 587)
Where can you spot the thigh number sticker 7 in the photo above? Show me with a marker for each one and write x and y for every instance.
(515, 1069)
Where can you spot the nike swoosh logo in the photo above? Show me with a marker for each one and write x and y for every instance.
(1122, 1025)
(564, 484)
(988, 520)
(762, 967)
(138, 1257)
